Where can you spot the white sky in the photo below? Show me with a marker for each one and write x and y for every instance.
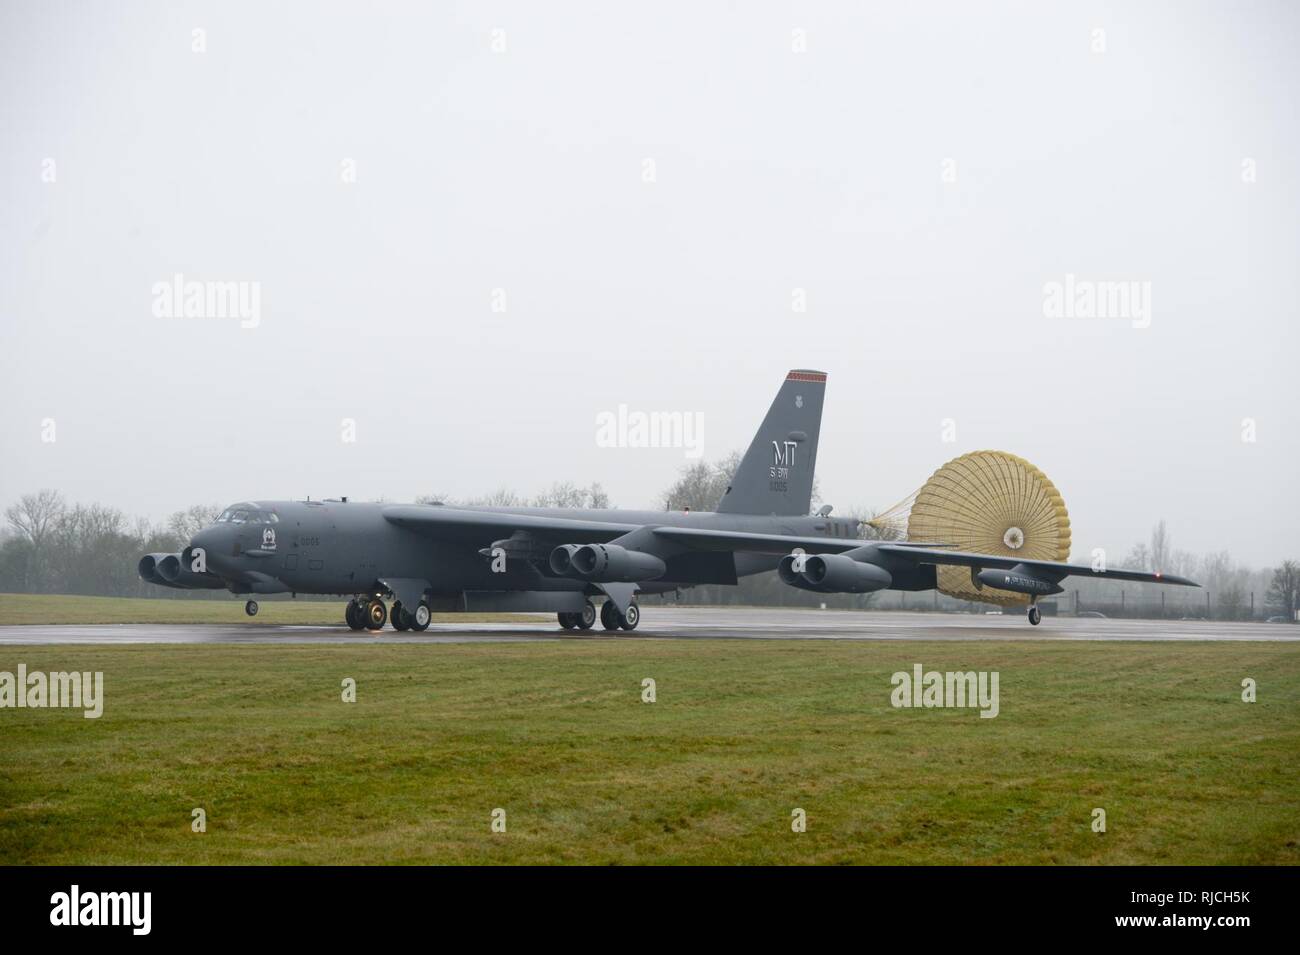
(523, 170)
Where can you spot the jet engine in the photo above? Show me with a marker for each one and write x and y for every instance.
(148, 568)
(606, 563)
(166, 570)
(832, 574)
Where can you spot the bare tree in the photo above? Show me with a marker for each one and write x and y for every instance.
(566, 494)
(1284, 591)
(1139, 558)
(701, 485)
(1160, 548)
(35, 516)
(185, 524)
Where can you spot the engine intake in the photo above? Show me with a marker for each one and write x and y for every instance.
(167, 570)
(148, 568)
(606, 563)
(832, 574)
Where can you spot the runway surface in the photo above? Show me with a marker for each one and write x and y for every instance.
(684, 623)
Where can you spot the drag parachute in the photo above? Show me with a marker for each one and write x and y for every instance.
(987, 502)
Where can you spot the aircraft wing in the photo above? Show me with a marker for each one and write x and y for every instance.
(1048, 568)
(700, 538)
(475, 525)
(703, 539)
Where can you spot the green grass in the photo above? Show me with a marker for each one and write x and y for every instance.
(742, 733)
(51, 609)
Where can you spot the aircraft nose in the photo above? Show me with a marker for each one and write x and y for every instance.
(205, 538)
(215, 543)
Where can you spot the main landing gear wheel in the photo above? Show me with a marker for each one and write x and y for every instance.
(400, 618)
(586, 618)
(376, 615)
(419, 621)
(610, 618)
(632, 617)
(568, 621)
(354, 615)
(250, 608)
(1035, 615)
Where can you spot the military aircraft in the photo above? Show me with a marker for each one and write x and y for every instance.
(436, 557)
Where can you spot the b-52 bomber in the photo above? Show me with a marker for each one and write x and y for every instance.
(428, 558)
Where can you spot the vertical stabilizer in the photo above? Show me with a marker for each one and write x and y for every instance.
(776, 474)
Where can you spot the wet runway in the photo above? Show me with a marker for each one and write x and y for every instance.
(684, 623)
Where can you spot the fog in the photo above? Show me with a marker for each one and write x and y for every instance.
(470, 230)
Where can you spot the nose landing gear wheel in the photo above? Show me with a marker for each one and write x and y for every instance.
(250, 608)
(632, 617)
(1035, 615)
(376, 615)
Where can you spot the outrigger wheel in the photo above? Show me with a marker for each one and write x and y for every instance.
(1035, 615)
(250, 608)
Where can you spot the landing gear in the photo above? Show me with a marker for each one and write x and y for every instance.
(568, 621)
(1035, 615)
(376, 614)
(400, 618)
(250, 608)
(585, 619)
(355, 615)
(419, 620)
(611, 619)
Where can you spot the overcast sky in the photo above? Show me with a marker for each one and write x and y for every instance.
(475, 227)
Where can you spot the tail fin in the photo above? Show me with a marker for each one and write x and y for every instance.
(776, 474)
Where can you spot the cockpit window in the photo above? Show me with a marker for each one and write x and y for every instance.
(247, 514)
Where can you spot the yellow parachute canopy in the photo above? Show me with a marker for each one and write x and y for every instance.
(989, 502)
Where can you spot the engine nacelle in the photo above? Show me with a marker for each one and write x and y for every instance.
(1018, 580)
(786, 571)
(832, 574)
(166, 570)
(606, 563)
(147, 568)
(562, 560)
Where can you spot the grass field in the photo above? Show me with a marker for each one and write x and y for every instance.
(60, 609)
(741, 734)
